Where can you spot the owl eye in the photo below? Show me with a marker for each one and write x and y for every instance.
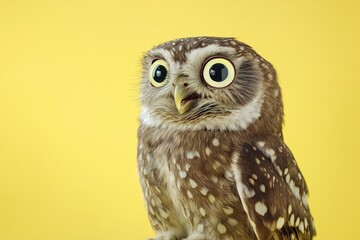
(158, 73)
(218, 72)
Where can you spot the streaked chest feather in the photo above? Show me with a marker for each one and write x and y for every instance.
(188, 181)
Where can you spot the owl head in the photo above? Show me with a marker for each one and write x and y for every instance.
(209, 83)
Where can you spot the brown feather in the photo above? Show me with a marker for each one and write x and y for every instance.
(195, 167)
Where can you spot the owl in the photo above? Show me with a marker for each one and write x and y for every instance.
(212, 161)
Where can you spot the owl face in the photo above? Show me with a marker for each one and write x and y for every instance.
(205, 83)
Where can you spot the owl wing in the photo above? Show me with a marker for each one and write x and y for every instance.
(272, 190)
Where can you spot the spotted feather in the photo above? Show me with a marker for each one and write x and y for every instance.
(273, 191)
(205, 171)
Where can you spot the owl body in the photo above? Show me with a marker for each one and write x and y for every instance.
(184, 194)
(211, 156)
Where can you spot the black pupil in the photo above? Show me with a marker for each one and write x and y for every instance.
(159, 73)
(218, 72)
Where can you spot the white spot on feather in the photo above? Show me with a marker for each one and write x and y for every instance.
(232, 221)
(289, 209)
(215, 142)
(228, 210)
(306, 223)
(276, 92)
(221, 228)
(271, 153)
(207, 151)
(163, 213)
(292, 220)
(287, 178)
(192, 154)
(248, 192)
(214, 179)
(189, 194)
(260, 208)
(280, 222)
(251, 181)
(304, 199)
(192, 183)
(299, 176)
(262, 188)
(202, 212)
(301, 227)
(182, 174)
(211, 198)
(204, 191)
(187, 167)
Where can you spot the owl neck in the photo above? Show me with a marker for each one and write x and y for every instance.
(158, 135)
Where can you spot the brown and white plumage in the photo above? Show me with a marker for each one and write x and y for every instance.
(211, 156)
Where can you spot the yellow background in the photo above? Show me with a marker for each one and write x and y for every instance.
(69, 74)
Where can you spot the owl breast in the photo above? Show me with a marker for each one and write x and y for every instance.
(188, 183)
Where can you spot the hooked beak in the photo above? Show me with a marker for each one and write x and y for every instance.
(184, 99)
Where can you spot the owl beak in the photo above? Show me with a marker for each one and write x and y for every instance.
(182, 98)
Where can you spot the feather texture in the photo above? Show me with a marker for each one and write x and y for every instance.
(218, 169)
